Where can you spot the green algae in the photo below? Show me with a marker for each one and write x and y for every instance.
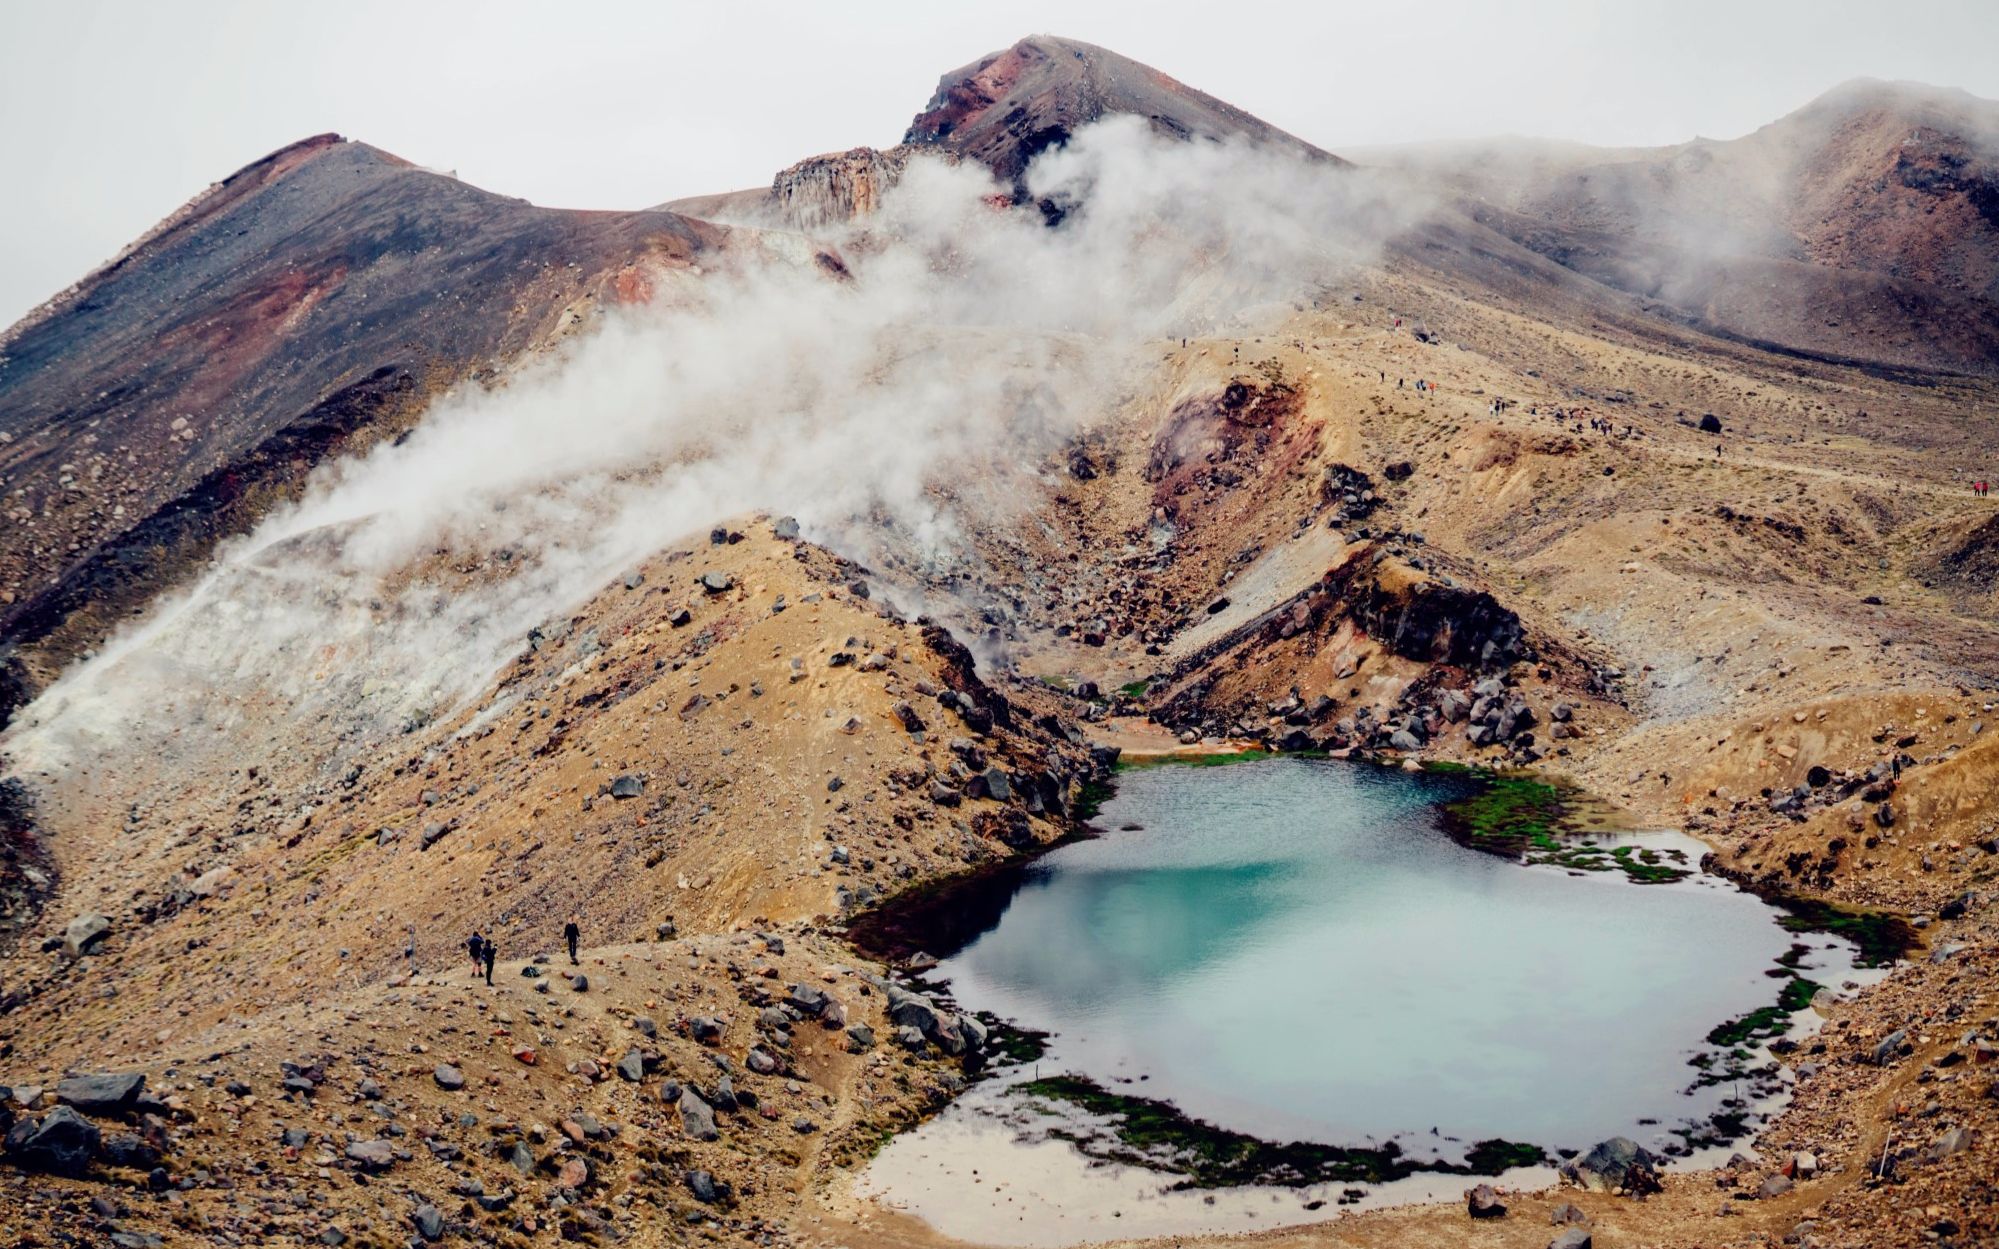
(1158, 1136)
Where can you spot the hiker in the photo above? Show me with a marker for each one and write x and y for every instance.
(1895, 768)
(475, 945)
(570, 933)
(492, 952)
(1717, 450)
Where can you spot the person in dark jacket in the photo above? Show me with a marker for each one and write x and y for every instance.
(570, 934)
(475, 945)
(491, 952)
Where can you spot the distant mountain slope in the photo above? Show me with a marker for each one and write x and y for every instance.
(1863, 226)
(155, 406)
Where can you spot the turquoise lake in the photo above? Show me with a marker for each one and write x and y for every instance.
(1294, 949)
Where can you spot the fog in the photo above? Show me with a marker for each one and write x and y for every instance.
(931, 386)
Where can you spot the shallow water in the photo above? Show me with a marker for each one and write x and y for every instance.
(1293, 949)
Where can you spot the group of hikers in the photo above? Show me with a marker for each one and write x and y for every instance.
(485, 951)
(1579, 418)
(1981, 487)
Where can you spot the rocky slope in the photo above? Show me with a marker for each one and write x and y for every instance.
(304, 307)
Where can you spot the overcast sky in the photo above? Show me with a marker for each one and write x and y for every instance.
(113, 114)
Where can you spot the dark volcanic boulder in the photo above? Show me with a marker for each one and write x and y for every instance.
(1603, 1169)
(110, 1093)
(61, 1141)
(1483, 1202)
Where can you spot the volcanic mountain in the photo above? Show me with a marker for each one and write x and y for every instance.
(1864, 226)
(308, 305)
(1641, 473)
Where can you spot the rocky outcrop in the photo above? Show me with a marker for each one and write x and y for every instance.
(837, 187)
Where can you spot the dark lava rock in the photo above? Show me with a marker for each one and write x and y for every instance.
(697, 1118)
(1604, 1168)
(106, 1094)
(627, 786)
(61, 1141)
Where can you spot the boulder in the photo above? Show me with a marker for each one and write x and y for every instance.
(627, 786)
(717, 582)
(632, 1067)
(1604, 1168)
(1483, 1203)
(1567, 1212)
(807, 1000)
(704, 1188)
(1574, 1238)
(128, 1149)
(448, 1077)
(785, 528)
(1773, 1186)
(429, 1221)
(998, 788)
(61, 1141)
(911, 1010)
(373, 1155)
(83, 933)
(697, 1117)
(1890, 1047)
(103, 1094)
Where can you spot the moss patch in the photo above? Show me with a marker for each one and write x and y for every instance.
(1218, 759)
(1155, 1135)
(1883, 938)
(1514, 813)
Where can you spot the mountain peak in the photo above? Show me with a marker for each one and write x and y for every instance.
(1008, 106)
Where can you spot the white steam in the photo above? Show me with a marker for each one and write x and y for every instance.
(925, 393)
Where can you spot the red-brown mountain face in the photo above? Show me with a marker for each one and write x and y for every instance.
(322, 292)
(1004, 109)
(1864, 226)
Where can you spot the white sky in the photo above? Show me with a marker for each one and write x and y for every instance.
(113, 114)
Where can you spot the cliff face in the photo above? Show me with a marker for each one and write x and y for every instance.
(298, 309)
(839, 186)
